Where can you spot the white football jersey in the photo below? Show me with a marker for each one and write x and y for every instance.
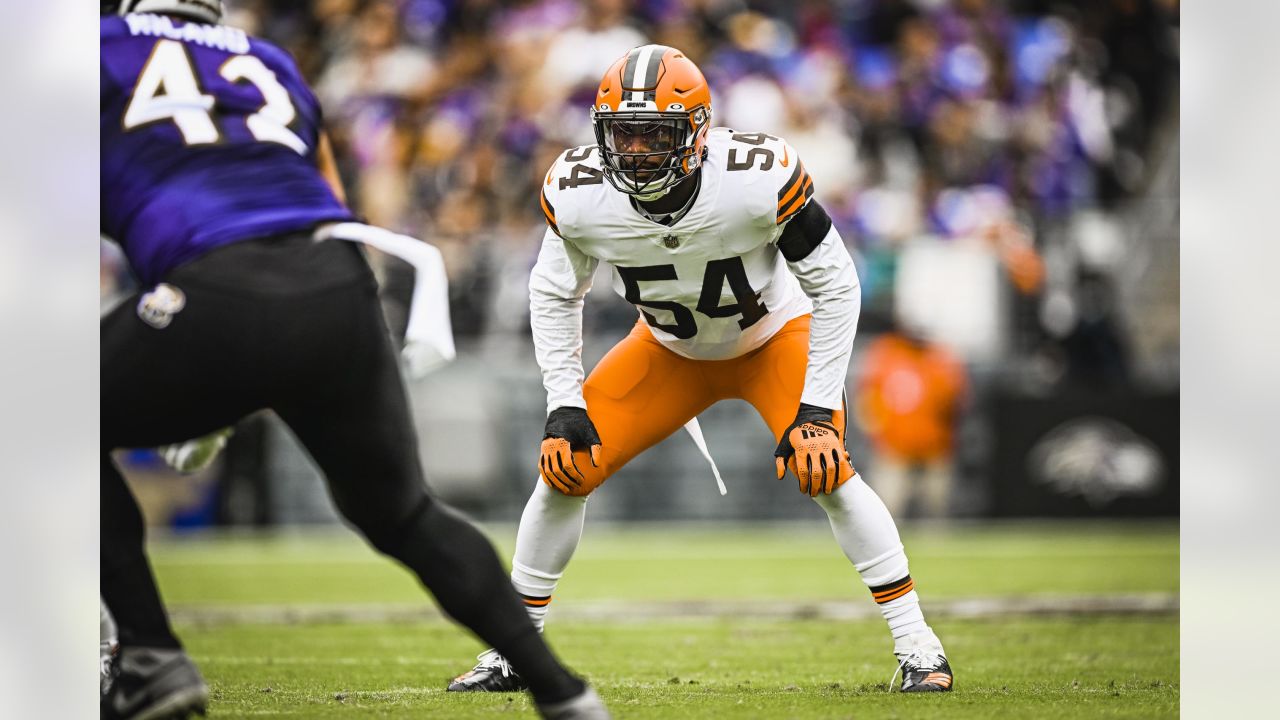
(714, 285)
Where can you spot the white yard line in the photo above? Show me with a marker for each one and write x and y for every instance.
(628, 611)
(309, 557)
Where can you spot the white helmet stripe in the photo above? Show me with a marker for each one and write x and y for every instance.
(642, 72)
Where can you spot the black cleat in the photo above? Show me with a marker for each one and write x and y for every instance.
(923, 666)
(587, 705)
(491, 674)
(928, 679)
(154, 684)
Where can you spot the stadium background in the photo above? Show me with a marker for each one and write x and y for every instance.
(1006, 176)
(1004, 173)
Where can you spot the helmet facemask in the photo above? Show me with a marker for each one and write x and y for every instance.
(646, 153)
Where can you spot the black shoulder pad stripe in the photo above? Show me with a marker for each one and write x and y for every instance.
(805, 232)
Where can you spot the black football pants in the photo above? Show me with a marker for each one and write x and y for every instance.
(295, 326)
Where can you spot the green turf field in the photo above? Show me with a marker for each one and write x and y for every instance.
(696, 664)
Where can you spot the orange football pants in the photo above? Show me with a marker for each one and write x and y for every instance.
(641, 392)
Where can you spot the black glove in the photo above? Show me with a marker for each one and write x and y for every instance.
(568, 430)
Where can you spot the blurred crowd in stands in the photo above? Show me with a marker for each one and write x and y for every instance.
(1042, 134)
(1024, 124)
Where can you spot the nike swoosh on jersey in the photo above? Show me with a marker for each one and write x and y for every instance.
(784, 156)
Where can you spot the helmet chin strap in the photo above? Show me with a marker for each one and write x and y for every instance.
(650, 197)
(664, 191)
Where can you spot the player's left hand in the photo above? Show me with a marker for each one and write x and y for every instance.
(568, 429)
(815, 452)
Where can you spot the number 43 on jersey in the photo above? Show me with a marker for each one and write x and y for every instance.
(168, 89)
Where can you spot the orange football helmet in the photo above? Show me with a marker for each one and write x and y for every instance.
(651, 117)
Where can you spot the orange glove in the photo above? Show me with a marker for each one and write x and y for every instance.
(814, 450)
(568, 429)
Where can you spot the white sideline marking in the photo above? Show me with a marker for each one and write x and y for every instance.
(627, 611)
(277, 660)
(251, 558)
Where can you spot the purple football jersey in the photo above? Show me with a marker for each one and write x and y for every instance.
(208, 138)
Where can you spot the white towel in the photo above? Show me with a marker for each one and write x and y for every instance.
(428, 338)
(695, 432)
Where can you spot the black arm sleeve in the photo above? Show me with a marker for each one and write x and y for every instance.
(804, 232)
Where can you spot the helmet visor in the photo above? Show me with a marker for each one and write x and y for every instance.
(642, 151)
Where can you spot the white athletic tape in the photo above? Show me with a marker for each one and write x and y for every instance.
(695, 432)
(429, 335)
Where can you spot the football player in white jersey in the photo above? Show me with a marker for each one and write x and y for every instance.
(744, 290)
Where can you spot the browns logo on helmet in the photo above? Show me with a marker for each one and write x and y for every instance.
(651, 116)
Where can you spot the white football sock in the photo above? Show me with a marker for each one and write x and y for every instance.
(869, 538)
(550, 529)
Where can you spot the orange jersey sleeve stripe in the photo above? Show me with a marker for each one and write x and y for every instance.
(793, 184)
(799, 202)
(797, 199)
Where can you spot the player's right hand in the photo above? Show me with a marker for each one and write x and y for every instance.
(568, 429)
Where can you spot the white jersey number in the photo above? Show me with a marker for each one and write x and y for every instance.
(169, 69)
(182, 101)
(747, 300)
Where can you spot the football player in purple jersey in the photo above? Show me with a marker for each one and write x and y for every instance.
(217, 180)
